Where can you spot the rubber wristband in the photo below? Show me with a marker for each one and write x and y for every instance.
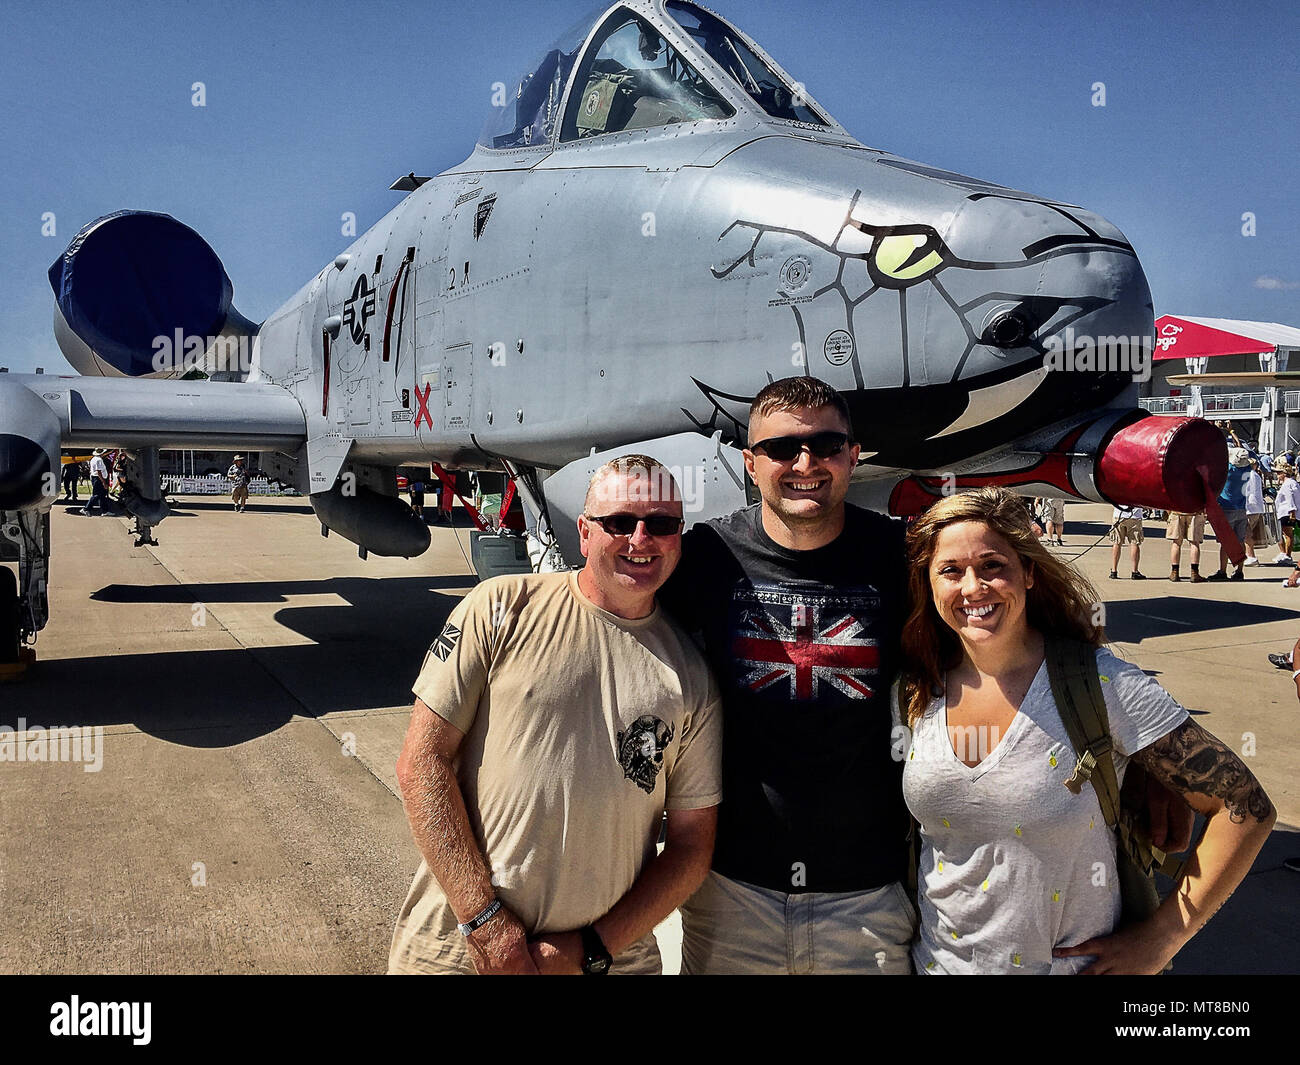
(478, 922)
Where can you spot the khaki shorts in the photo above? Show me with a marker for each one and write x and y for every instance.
(1055, 511)
(1256, 531)
(1185, 527)
(729, 927)
(1126, 530)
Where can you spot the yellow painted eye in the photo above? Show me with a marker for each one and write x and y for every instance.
(984, 886)
(1105, 678)
(1017, 830)
(941, 865)
(1015, 960)
(946, 822)
(1056, 895)
(954, 935)
(1051, 760)
(904, 257)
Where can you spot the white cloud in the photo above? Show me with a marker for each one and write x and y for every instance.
(1275, 283)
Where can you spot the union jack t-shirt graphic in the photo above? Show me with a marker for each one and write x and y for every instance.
(791, 645)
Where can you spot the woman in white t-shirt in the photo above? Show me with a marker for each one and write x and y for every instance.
(1018, 872)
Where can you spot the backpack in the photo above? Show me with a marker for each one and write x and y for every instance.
(1076, 688)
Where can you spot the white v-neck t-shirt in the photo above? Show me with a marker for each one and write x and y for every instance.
(1013, 863)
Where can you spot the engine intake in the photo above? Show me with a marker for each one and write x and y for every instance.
(139, 294)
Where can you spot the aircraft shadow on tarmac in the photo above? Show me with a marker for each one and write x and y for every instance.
(360, 656)
(1133, 620)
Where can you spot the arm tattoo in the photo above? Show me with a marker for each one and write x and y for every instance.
(1189, 759)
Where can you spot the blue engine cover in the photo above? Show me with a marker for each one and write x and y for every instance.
(133, 276)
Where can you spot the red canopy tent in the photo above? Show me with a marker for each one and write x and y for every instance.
(1194, 338)
(1197, 340)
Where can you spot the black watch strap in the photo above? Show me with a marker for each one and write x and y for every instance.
(596, 960)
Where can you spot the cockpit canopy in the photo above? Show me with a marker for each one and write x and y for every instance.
(527, 117)
(734, 53)
(631, 77)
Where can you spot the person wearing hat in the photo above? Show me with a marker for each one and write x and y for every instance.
(1232, 500)
(1288, 499)
(239, 476)
(98, 485)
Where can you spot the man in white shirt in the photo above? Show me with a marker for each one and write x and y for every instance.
(98, 485)
(1255, 529)
(1126, 528)
(1288, 498)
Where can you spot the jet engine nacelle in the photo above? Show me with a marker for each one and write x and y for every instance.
(138, 294)
(379, 523)
(29, 449)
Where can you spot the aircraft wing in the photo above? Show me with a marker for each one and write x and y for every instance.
(135, 412)
(42, 413)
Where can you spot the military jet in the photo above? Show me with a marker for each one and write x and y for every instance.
(655, 223)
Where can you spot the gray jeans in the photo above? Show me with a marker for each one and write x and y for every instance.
(732, 927)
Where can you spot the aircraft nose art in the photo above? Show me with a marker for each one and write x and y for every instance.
(932, 300)
(1002, 291)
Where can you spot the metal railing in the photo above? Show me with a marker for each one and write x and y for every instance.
(1222, 403)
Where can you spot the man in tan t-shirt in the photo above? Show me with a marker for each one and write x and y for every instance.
(557, 717)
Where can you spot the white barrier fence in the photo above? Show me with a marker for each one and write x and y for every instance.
(214, 484)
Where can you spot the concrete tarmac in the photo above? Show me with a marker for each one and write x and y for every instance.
(252, 682)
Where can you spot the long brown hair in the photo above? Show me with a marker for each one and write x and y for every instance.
(1061, 603)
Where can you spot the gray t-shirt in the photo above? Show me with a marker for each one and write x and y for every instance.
(1013, 863)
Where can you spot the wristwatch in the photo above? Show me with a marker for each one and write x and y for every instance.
(595, 958)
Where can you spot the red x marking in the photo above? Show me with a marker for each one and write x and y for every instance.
(422, 408)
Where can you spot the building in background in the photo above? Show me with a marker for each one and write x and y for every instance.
(1249, 365)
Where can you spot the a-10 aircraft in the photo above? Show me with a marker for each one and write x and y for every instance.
(658, 222)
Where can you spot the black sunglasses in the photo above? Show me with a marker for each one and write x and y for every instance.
(625, 524)
(785, 448)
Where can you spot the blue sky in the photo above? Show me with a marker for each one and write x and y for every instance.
(313, 109)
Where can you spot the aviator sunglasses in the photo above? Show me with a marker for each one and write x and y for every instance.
(784, 448)
(625, 524)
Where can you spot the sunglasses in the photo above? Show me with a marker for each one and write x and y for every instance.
(785, 448)
(625, 524)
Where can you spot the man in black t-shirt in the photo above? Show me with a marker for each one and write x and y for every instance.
(800, 601)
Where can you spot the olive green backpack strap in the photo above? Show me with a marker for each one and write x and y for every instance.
(1076, 687)
(1072, 671)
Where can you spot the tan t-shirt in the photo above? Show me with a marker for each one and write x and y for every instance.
(581, 727)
